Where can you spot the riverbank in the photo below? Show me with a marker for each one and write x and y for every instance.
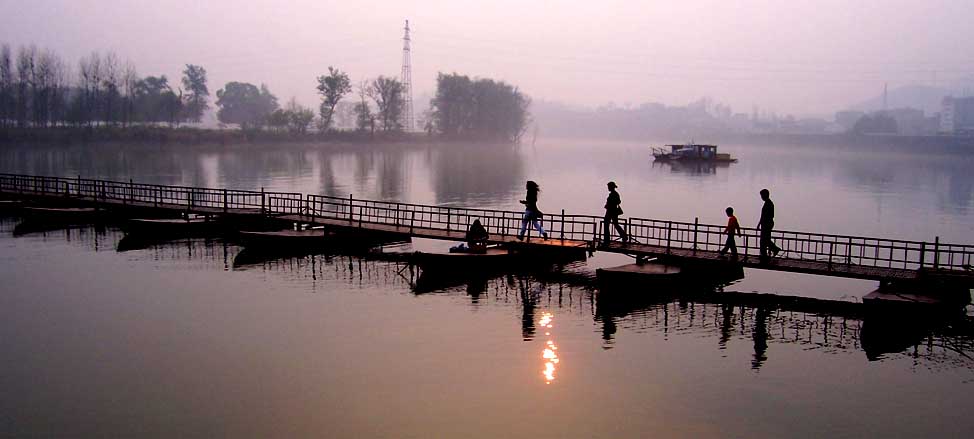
(196, 136)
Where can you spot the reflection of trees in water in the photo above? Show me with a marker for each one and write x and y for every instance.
(324, 182)
(149, 164)
(389, 168)
(466, 174)
(257, 167)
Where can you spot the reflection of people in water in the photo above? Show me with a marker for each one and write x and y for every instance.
(613, 208)
(532, 214)
(527, 313)
(766, 224)
(477, 237)
(760, 337)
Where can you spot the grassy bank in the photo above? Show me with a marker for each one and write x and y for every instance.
(194, 136)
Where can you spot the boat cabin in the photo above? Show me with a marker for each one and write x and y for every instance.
(694, 151)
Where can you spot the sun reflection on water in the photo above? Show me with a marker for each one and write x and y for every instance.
(549, 354)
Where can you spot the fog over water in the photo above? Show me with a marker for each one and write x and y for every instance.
(791, 58)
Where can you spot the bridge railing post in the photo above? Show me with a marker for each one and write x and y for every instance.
(848, 253)
(832, 251)
(669, 232)
(923, 253)
(696, 225)
(562, 232)
(225, 206)
(448, 219)
(936, 253)
(351, 219)
(595, 230)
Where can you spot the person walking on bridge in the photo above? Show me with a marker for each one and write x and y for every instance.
(532, 214)
(732, 229)
(765, 225)
(613, 208)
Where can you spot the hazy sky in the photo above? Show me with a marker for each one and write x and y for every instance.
(801, 57)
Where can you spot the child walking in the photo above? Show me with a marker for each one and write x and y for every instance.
(733, 228)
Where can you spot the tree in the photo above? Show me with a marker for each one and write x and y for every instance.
(479, 109)
(153, 99)
(387, 95)
(130, 78)
(244, 104)
(110, 87)
(194, 81)
(25, 67)
(299, 117)
(332, 88)
(363, 114)
(277, 120)
(6, 86)
(452, 103)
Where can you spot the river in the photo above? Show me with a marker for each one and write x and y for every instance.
(177, 339)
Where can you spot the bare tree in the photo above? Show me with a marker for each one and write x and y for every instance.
(364, 118)
(111, 77)
(130, 78)
(6, 86)
(25, 67)
(387, 95)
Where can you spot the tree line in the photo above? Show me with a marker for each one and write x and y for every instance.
(39, 89)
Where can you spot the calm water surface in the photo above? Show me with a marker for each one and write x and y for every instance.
(183, 338)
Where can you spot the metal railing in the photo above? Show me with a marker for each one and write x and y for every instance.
(414, 217)
(835, 251)
(683, 239)
(107, 191)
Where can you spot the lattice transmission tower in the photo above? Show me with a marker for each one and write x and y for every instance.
(407, 84)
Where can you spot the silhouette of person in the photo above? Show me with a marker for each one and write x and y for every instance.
(477, 237)
(613, 208)
(531, 212)
(765, 225)
(733, 228)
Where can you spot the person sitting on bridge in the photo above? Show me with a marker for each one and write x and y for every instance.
(477, 237)
(733, 227)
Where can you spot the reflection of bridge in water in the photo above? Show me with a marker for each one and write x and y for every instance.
(813, 325)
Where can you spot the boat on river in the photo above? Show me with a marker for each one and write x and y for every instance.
(190, 226)
(278, 239)
(691, 152)
(492, 259)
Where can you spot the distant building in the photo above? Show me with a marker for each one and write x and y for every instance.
(957, 116)
(909, 121)
(847, 119)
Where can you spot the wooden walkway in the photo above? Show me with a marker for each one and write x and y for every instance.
(860, 257)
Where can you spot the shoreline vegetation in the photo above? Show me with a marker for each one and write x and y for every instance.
(186, 135)
(43, 98)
